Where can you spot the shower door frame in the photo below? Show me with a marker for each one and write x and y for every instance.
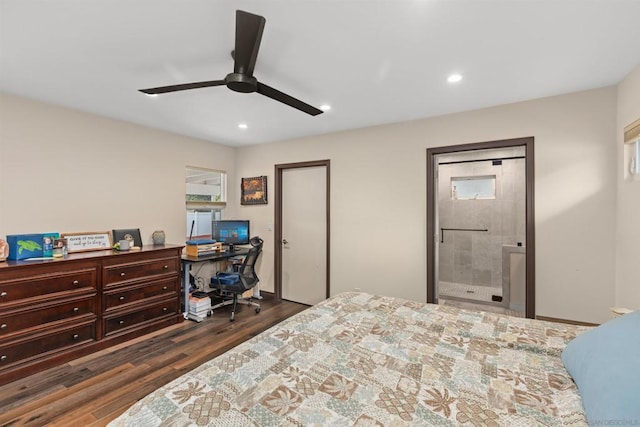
(527, 142)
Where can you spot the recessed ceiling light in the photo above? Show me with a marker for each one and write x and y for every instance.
(151, 95)
(325, 107)
(454, 78)
(243, 126)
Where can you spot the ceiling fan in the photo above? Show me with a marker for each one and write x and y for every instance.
(249, 28)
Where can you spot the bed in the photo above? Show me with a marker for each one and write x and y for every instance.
(361, 359)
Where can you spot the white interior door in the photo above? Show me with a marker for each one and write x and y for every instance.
(304, 233)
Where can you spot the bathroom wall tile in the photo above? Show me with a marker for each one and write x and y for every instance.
(496, 271)
(446, 250)
(508, 187)
(495, 227)
(445, 271)
(462, 275)
(445, 211)
(481, 277)
(520, 218)
(461, 240)
(508, 218)
(462, 213)
(462, 258)
(483, 213)
(444, 188)
(482, 247)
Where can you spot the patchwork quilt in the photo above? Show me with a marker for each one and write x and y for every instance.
(361, 359)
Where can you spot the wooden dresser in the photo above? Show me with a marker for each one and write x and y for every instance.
(53, 311)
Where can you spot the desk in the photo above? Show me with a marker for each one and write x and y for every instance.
(188, 261)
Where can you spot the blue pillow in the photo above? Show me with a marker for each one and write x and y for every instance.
(604, 362)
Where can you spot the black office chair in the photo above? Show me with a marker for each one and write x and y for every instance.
(236, 284)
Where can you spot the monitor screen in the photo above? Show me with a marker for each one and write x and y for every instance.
(231, 232)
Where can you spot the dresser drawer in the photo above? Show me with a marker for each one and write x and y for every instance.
(117, 298)
(116, 323)
(118, 274)
(42, 345)
(44, 287)
(15, 321)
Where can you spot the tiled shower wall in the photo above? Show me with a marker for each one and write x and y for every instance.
(475, 257)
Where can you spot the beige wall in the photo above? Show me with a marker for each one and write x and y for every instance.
(628, 225)
(67, 171)
(63, 170)
(378, 196)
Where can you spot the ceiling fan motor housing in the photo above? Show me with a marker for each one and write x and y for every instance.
(241, 82)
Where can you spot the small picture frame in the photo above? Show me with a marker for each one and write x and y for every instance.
(253, 191)
(60, 249)
(131, 234)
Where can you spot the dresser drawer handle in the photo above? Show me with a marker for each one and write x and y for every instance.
(76, 309)
(166, 267)
(76, 282)
(164, 288)
(3, 358)
(121, 298)
(3, 295)
(4, 326)
(121, 274)
(76, 336)
(165, 309)
(121, 322)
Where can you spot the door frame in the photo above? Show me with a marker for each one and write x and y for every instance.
(530, 257)
(277, 268)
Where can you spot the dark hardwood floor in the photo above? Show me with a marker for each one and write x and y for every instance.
(93, 390)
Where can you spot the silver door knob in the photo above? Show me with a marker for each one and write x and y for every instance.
(284, 241)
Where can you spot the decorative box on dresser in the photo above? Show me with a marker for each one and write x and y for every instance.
(52, 311)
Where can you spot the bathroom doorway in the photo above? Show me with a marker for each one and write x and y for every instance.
(480, 226)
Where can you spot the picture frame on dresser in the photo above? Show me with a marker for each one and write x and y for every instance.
(87, 241)
(132, 234)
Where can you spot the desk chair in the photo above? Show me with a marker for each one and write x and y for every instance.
(236, 284)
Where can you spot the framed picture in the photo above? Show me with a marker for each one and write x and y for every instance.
(131, 234)
(253, 191)
(87, 241)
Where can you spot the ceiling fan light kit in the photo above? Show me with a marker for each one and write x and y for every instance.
(249, 28)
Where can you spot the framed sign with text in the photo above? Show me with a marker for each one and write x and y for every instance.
(88, 241)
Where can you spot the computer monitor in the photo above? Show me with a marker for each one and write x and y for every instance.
(230, 232)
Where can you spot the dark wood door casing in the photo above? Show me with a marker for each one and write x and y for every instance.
(279, 169)
(527, 142)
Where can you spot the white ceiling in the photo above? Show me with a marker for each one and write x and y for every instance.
(373, 61)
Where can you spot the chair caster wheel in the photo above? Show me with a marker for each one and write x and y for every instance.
(257, 310)
(209, 313)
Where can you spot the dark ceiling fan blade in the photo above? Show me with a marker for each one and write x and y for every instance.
(185, 86)
(287, 99)
(249, 28)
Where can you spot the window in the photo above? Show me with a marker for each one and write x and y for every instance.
(473, 187)
(634, 165)
(205, 199)
(632, 150)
